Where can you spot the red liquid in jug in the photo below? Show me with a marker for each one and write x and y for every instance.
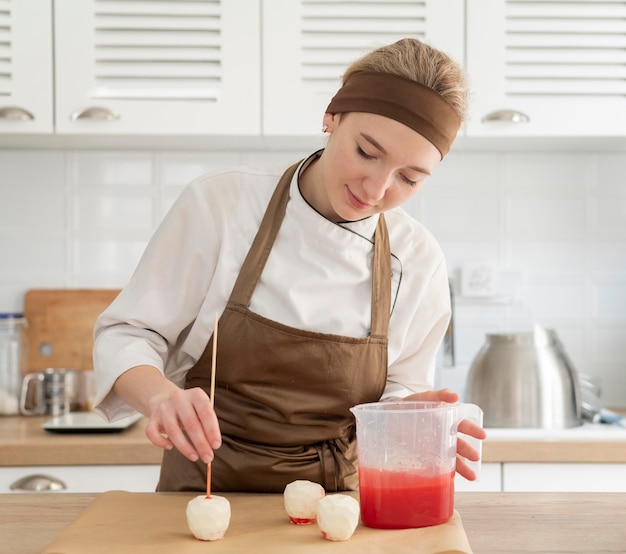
(401, 500)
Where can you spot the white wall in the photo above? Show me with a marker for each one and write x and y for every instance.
(554, 225)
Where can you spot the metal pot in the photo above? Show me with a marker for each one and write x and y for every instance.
(525, 380)
(56, 392)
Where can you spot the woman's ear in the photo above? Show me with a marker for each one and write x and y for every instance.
(329, 122)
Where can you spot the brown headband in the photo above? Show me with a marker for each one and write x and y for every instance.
(415, 105)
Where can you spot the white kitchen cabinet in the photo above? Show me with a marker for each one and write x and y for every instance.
(560, 477)
(26, 66)
(308, 44)
(132, 478)
(490, 480)
(561, 65)
(268, 68)
(157, 67)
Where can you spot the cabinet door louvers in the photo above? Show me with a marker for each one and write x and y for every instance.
(163, 66)
(6, 82)
(25, 66)
(560, 63)
(565, 48)
(336, 33)
(157, 50)
(324, 37)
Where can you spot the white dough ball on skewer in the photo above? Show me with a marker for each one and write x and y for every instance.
(338, 516)
(208, 517)
(301, 499)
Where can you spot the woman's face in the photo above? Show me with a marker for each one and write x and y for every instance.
(371, 164)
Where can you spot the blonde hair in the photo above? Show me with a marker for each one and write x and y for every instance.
(416, 60)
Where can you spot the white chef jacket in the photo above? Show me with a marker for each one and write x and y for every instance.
(317, 278)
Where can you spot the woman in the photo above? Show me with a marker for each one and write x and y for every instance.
(325, 302)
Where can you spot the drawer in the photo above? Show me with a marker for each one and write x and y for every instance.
(132, 478)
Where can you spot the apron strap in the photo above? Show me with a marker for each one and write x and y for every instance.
(263, 241)
(381, 281)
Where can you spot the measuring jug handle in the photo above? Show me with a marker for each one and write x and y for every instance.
(473, 413)
(29, 381)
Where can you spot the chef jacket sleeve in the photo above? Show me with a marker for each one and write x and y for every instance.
(149, 318)
(413, 369)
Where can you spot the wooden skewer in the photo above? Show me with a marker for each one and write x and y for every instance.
(213, 363)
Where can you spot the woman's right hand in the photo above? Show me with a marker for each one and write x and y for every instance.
(184, 419)
(177, 418)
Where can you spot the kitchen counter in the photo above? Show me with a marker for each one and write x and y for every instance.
(24, 443)
(589, 443)
(495, 523)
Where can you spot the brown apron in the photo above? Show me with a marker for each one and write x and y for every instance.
(282, 395)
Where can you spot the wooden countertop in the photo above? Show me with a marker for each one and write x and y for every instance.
(590, 443)
(24, 443)
(495, 523)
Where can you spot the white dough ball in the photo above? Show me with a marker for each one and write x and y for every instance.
(338, 516)
(301, 499)
(208, 518)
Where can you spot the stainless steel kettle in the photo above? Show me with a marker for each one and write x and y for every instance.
(525, 380)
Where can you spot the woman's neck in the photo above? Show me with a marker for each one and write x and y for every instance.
(310, 183)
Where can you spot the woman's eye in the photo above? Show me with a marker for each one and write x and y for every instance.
(363, 153)
(408, 181)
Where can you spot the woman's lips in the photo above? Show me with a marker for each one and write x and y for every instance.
(357, 202)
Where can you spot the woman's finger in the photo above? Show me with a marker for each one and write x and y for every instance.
(464, 470)
(169, 420)
(471, 428)
(156, 435)
(466, 450)
(196, 410)
(187, 421)
(207, 417)
(174, 429)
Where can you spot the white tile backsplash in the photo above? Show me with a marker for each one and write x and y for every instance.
(180, 168)
(28, 257)
(548, 300)
(550, 257)
(607, 342)
(609, 300)
(111, 261)
(460, 214)
(610, 170)
(127, 169)
(552, 223)
(609, 216)
(546, 216)
(608, 257)
(468, 172)
(548, 173)
(104, 213)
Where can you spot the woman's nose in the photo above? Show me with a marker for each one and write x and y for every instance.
(376, 186)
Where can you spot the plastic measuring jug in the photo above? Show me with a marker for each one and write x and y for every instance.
(407, 460)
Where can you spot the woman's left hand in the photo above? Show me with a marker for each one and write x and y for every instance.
(463, 449)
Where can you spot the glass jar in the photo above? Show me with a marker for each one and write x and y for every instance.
(12, 360)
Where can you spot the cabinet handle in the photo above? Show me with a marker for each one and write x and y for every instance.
(39, 483)
(507, 116)
(95, 113)
(15, 113)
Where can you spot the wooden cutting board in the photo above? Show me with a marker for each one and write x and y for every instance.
(155, 523)
(60, 326)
